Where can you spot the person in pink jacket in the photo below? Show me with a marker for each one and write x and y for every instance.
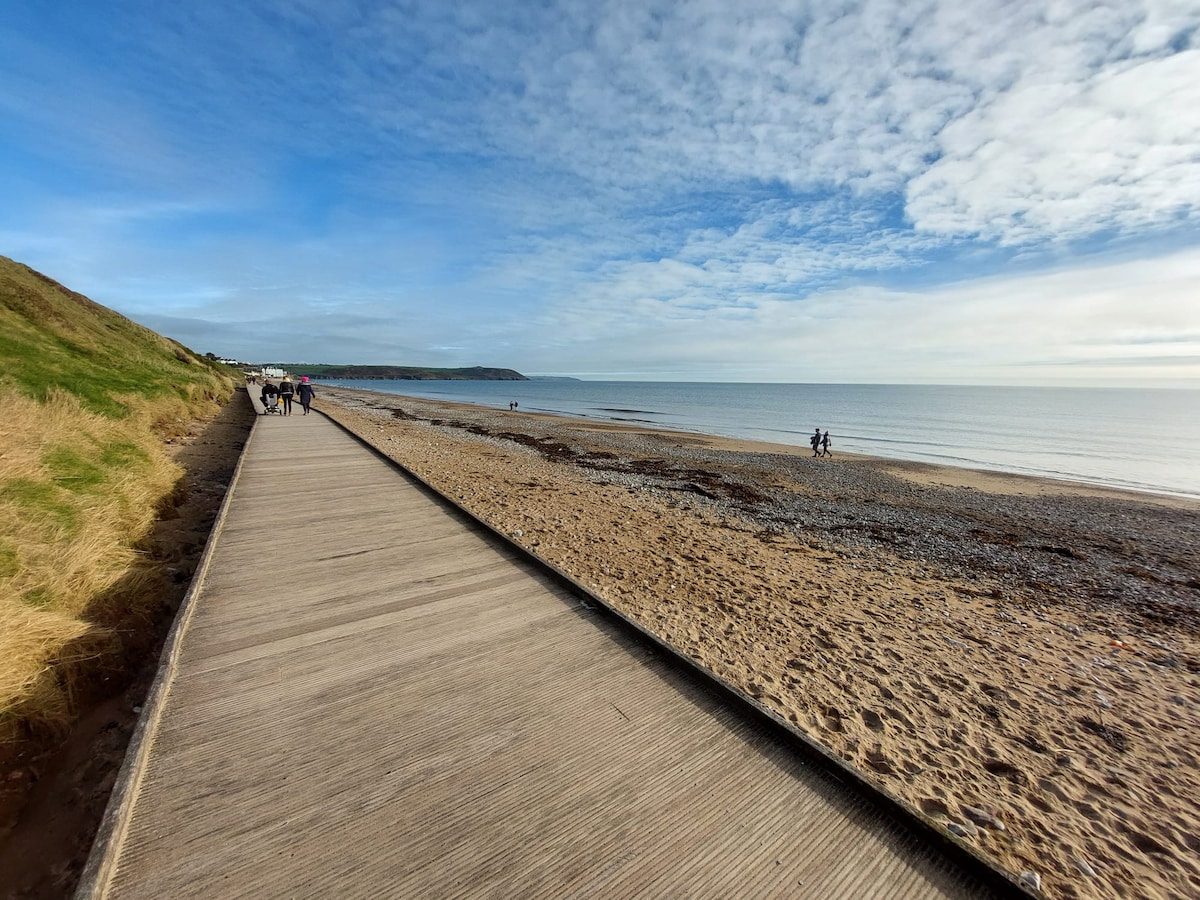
(306, 392)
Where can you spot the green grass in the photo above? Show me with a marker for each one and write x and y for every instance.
(68, 469)
(38, 597)
(121, 454)
(9, 561)
(52, 337)
(43, 503)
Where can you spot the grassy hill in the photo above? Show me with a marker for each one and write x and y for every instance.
(88, 399)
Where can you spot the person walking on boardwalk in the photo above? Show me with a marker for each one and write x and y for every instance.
(815, 440)
(306, 392)
(825, 444)
(270, 394)
(287, 390)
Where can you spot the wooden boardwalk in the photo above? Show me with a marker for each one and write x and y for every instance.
(368, 695)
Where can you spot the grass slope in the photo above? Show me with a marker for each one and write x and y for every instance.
(88, 397)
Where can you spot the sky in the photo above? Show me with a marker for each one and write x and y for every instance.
(968, 191)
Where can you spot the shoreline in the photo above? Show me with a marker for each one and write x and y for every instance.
(941, 457)
(953, 642)
(919, 472)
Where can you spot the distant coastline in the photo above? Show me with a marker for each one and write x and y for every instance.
(402, 373)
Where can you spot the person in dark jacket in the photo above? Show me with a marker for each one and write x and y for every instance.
(287, 390)
(306, 392)
(270, 395)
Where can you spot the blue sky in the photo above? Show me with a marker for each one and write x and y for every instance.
(883, 191)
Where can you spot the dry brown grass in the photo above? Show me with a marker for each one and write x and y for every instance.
(79, 492)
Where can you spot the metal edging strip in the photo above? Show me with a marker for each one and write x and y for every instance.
(1003, 883)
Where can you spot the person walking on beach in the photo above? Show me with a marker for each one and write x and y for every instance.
(815, 440)
(825, 444)
(306, 392)
(287, 390)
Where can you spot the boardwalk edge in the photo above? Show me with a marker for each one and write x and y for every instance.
(99, 870)
(1001, 881)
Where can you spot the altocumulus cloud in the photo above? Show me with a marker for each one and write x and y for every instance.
(980, 190)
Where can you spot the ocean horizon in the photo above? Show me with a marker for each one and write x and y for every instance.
(1138, 439)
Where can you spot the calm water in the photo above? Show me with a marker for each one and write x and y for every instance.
(1139, 439)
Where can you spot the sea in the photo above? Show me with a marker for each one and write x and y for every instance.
(1139, 439)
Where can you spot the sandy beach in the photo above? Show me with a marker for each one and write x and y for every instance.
(1017, 659)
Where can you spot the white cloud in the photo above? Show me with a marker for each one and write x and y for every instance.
(1061, 160)
(1109, 322)
(1013, 122)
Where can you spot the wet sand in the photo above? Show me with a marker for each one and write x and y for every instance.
(1018, 659)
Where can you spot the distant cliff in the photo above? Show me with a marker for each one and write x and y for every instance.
(403, 373)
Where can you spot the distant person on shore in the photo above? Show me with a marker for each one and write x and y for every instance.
(825, 444)
(306, 392)
(815, 440)
(287, 390)
(270, 394)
